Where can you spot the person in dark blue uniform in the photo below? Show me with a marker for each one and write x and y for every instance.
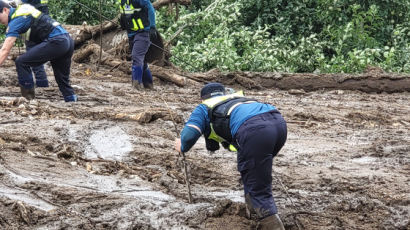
(257, 131)
(53, 44)
(40, 5)
(138, 18)
(39, 72)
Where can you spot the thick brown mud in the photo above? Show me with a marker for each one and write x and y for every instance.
(107, 161)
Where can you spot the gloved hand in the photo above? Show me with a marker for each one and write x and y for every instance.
(211, 145)
(152, 33)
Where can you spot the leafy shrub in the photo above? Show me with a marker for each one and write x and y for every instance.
(275, 35)
(78, 11)
(292, 35)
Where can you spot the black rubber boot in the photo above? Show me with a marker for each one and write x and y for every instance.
(249, 208)
(149, 86)
(136, 84)
(271, 223)
(29, 94)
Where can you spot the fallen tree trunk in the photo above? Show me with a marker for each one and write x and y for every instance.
(159, 3)
(83, 33)
(168, 75)
(160, 72)
(369, 82)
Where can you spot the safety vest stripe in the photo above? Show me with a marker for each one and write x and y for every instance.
(128, 9)
(134, 24)
(140, 23)
(236, 105)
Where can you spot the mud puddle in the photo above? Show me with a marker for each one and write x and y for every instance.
(111, 143)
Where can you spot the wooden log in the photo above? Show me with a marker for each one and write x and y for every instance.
(168, 75)
(124, 66)
(151, 115)
(369, 82)
(83, 33)
(160, 3)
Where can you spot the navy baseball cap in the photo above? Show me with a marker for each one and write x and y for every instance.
(211, 90)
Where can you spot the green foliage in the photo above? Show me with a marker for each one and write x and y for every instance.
(275, 35)
(292, 35)
(78, 11)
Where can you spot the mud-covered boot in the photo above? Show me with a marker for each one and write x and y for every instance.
(249, 207)
(29, 94)
(136, 84)
(149, 86)
(137, 77)
(271, 223)
(147, 77)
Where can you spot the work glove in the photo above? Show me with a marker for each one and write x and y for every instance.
(152, 34)
(211, 145)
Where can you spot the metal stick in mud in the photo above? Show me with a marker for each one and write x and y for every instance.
(190, 199)
(287, 194)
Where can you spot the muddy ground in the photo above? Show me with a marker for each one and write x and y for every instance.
(107, 161)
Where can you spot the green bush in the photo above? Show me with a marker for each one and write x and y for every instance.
(275, 35)
(292, 35)
(78, 11)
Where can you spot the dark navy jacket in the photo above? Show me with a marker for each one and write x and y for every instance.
(20, 25)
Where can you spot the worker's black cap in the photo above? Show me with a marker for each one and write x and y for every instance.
(211, 90)
(3, 4)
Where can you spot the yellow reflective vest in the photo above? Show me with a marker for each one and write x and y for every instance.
(224, 105)
(133, 17)
(41, 26)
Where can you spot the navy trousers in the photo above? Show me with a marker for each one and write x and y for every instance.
(39, 72)
(139, 45)
(258, 140)
(58, 50)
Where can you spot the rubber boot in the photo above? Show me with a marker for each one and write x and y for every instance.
(137, 72)
(271, 223)
(249, 207)
(29, 94)
(147, 78)
(71, 98)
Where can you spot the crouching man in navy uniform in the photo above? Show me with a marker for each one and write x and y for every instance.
(53, 43)
(257, 131)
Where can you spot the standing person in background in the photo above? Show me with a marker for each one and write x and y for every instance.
(52, 43)
(39, 72)
(257, 131)
(138, 18)
(40, 5)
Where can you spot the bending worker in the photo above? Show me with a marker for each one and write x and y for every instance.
(138, 18)
(39, 72)
(257, 131)
(52, 43)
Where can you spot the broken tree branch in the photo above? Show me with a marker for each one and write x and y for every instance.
(80, 34)
(109, 60)
(160, 3)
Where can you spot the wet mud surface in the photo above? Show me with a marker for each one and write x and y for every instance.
(107, 161)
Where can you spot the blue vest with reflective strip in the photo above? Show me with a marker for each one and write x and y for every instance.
(41, 26)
